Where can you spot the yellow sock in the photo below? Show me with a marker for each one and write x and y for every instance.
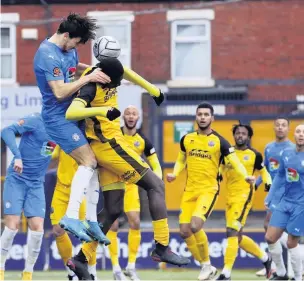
(248, 245)
(192, 247)
(202, 245)
(231, 252)
(161, 231)
(113, 247)
(65, 247)
(89, 250)
(92, 260)
(134, 238)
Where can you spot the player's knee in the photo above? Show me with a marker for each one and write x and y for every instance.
(292, 243)
(230, 232)
(134, 223)
(57, 230)
(270, 238)
(114, 213)
(185, 231)
(36, 224)
(196, 225)
(12, 224)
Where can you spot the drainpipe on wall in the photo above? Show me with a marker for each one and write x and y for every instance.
(47, 16)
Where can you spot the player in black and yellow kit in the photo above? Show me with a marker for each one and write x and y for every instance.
(118, 161)
(131, 200)
(201, 153)
(240, 196)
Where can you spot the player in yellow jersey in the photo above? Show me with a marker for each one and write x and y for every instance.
(131, 199)
(117, 159)
(240, 196)
(201, 153)
(67, 167)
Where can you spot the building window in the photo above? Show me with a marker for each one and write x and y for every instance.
(8, 47)
(118, 25)
(191, 46)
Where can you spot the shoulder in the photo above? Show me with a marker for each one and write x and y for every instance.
(255, 152)
(188, 136)
(222, 140)
(270, 145)
(141, 135)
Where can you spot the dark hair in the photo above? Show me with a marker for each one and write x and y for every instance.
(248, 127)
(78, 26)
(114, 69)
(206, 105)
(282, 117)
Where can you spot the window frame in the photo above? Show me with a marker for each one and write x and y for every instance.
(114, 18)
(9, 20)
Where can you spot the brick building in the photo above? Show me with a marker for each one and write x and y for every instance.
(255, 43)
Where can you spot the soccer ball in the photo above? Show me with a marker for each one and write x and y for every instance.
(106, 46)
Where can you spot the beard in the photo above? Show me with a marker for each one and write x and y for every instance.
(203, 127)
(128, 126)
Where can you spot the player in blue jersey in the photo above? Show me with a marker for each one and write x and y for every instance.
(272, 154)
(288, 215)
(24, 187)
(56, 64)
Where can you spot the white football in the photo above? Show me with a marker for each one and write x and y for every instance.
(106, 46)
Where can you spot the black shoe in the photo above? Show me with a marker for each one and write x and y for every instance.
(70, 277)
(79, 268)
(267, 265)
(169, 257)
(223, 277)
(277, 277)
(92, 277)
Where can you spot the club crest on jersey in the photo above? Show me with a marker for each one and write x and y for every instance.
(246, 157)
(75, 137)
(136, 143)
(292, 175)
(211, 143)
(273, 164)
(8, 204)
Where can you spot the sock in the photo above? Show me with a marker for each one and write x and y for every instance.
(283, 239)
(92, 261)
(131, 265)
(161, 231)
(92, 197)
(70, 272)
(296, 262)
(7, 239)
(113, 248)
(80, 183)
(192, 247)
(202, 244)
(65, 247)
(88, 250)
(134, 238)
(230, 255)
(33, 249)
(276, 253)
(92, 269)
(248, 245)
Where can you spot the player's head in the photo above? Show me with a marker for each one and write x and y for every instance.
(76, 30)
(281, 128)
(204, 115)
(131, 117)
(114, 69)
(242, 134)
(299, 135)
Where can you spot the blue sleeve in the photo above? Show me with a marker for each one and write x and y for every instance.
(27, 124)
(259, 179)
(9, 136)
(77, 57)
(51, 66)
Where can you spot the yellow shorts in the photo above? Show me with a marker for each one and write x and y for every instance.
(118, 157)
(237, 209)
(131, 199)
(60, 203)
(197, 204)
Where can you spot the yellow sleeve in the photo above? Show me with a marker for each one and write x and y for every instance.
(237, 164)
(133, 77)
(55, 154)
(266, 178)
(155, 165)
(78, 110)
(180, 163)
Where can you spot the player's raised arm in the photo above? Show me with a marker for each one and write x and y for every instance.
(265, 176)
(135, 78)
(180, 163)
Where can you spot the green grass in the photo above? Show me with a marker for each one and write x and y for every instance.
(167, 274)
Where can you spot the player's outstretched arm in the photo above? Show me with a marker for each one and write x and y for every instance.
(179, 166)
(155, 165)
(78, 111)
(135, 78)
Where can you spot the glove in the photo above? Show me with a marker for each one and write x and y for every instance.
(219, 177)
(113, 113)
(159, 100)
(267, 187)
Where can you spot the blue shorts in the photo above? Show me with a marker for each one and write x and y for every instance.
(290, 217)
(68, 135)
(21, 194)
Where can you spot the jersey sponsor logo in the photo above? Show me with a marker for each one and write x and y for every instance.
(200, 153)
(56, 72)
(136, 143)
(273, 164)
(211, 143)
(71, 73)
(128, 175)
(47, 148)
(109, 93)
(75, 137)
(292, 175)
